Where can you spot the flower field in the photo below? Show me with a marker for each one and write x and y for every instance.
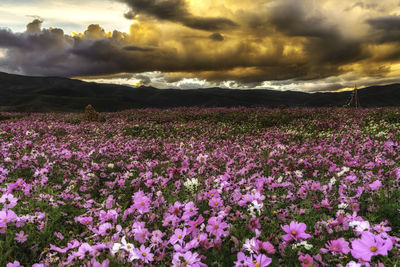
(201, 187)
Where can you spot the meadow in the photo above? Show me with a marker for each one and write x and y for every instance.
(201, 187)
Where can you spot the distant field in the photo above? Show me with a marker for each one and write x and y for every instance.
(197, 187)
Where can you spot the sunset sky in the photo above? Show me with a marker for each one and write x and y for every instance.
(306, 45)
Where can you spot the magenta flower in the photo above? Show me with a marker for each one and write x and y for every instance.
(216, 227)
(337, 246)
(86, 220)
(84, 251)
(21, 237)
(254, 224)
(295, 231)
(8, 201)
(261, 261)
(370, 245)
(14, 264)
(306, 260)
(375, 185)
(144, 254)
(187, 259)
(215, 202)
(178, 236)
(105, 229)
(189, 210)
(7, 216)
(243, 260)
(141, 202)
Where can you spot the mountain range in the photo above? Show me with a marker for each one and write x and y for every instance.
(55, 94)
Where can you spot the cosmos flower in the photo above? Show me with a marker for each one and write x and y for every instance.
(216, 227)
(178, 236)
(306, 260)
(337, 246)
(8, 201)
(7, 216)
(141, 202)
(145, 254)
(370, 245)
(375, 185)
(295, 231)
(21, 237)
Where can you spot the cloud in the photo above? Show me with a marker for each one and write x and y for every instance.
(387, 28)
(176, 11)
(216, 37)
(246, 44)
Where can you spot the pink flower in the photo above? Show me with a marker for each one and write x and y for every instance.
(86, 220)
(370, 245)
(144, 254)
(254, 224)
(216, 227)
(295, 231)
(21, 237)
(267, 247)
(105, 229)
(187, 259)
(141, 202)
(7, 216)
(8, 201)
(189, 210)
(375, 185)
(84, 251)
(14, 264)
(178, 236)
(306, 260)
(215, 202)
(337, 246)
(261, 261)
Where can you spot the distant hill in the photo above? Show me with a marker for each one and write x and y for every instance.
(47, 94)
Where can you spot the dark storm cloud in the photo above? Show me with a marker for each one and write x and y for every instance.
(138, 48)
(176, 11)
(325, 44)
(388, 28)
(34, 26)
(216, 37)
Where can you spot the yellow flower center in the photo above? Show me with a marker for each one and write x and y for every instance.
(294, 232)
(179, 236)
(373, 249)
(256, 264)
(144, 254)
(216, 226)
(5, 219)
(142, 204)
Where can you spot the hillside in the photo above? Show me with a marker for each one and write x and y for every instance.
(46, 94)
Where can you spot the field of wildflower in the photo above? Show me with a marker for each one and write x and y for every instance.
(201, 187)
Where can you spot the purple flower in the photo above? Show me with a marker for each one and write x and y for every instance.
(144, 254)
(216, 227)
(306, 260)
(84, 251)
(7, 216)
(375, 185)
(8, 201)
(261, 261)
(295, 231)
(21, 237)
(186, 259)
(141, 202)
(14, 264)
(178, 236)
(337, 246)
(105, 229)
(370, 245)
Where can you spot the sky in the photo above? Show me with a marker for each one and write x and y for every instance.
(299, 45)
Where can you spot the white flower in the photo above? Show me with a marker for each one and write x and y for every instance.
(280, 179)
(354, 223)
(342, 205)
(332, 181)
(110, 165)
(363, 226)
(353, 264)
